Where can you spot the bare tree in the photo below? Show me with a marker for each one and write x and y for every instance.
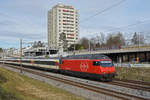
(115, 40)
(101, 38)
(137, 39)
(84, 42)
(141, 39)
(93, 42)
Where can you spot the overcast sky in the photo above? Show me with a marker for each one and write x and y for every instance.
(27, 19)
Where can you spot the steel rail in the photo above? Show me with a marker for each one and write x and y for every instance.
(133, 81)
(131, 85)
(112, 93)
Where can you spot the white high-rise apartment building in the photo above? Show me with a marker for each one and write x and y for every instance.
(62, 19)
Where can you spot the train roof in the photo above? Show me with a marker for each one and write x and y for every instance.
(34, 59)
(87, 56)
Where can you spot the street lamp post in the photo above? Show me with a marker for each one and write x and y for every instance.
(3, 55)
(74, 47)
(89, 46)
(21, 54)
(138, 47)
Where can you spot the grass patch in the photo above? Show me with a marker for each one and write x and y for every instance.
(24, 88)
(5, 95)
(142, 74)
(2, 79)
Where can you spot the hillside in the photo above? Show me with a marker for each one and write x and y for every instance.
(14, 86)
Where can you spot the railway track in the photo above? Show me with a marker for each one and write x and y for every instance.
(139, 85)
(111, 93)
(132, 85)
(133, 81)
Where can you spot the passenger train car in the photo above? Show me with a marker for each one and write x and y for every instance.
(94, 66)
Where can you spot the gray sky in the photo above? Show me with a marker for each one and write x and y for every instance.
(27, 19)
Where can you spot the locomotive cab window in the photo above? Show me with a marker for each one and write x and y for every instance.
(106, 63)
(103, 63)
(96, 63)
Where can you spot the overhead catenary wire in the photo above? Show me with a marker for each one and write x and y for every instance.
(127, 26)
(104, 10)
(112, 6)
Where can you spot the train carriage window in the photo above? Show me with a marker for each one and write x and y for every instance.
(46, 62)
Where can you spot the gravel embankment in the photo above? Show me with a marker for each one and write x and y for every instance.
(86, 93)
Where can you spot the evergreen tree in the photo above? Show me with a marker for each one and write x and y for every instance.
(135, 39)
(63, 38)
(38, 44)
(1, 50)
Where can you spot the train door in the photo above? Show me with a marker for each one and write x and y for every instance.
(95, 67)
(60, 63)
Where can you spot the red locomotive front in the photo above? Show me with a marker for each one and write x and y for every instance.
(100, 67)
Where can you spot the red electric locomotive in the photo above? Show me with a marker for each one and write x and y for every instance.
(93, 65)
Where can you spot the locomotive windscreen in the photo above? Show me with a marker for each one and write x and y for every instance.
(106, 63)
(103, 63)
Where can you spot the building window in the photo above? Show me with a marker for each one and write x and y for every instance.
(70, 37)
(65, 10)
